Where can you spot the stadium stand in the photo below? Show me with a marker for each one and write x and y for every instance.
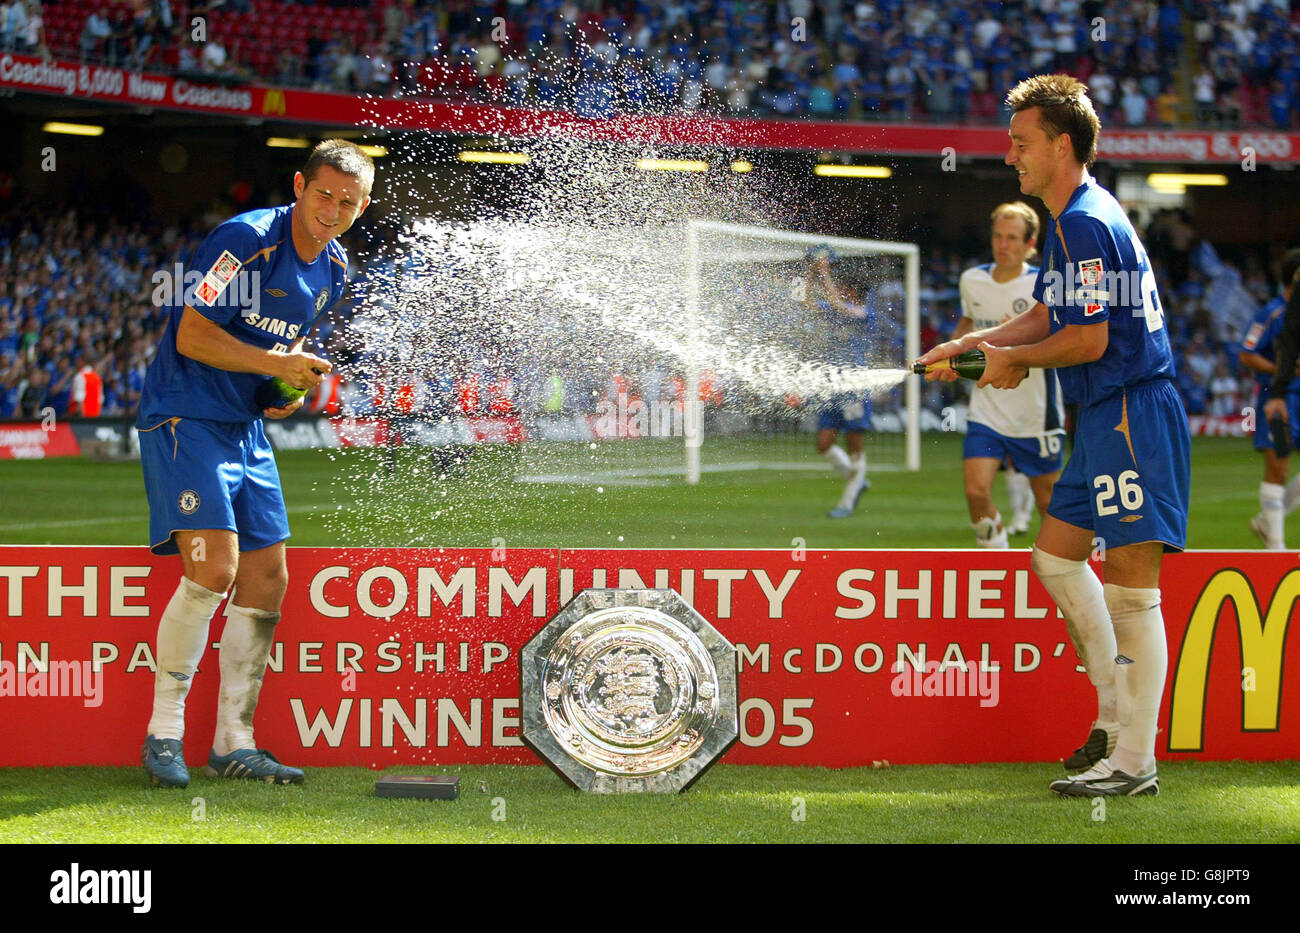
(74, 295)
(79, 293)
(1150, 63)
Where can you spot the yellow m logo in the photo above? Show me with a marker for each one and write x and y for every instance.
(1262, 639)
(273, 101)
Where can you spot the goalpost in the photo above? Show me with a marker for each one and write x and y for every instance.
(767, 266)
(652, 353)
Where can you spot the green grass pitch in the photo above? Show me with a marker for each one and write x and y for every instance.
(1203, 802)
(351, 498)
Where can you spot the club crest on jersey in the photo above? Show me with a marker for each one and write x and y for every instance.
(323, 297)
(188, 502)
(217, 278)
(1019, 305)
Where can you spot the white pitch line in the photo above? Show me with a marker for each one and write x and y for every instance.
(108, 519)
(103, 520)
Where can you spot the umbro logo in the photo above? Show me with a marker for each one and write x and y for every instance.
(1120, 659)
(276, 293)
(1131, 518)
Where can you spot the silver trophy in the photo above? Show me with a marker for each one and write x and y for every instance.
(629, 691)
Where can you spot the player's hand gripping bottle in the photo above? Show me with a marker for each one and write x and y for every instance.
(276, 393)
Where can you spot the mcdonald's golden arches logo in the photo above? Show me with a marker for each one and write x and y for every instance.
(273, 101)
(1262, 635)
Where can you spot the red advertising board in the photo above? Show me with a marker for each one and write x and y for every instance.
(388, 656)
(74, 80)
(29, 440)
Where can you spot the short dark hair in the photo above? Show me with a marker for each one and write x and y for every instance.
(1290, 263)
(1064, 107)
(343, 156)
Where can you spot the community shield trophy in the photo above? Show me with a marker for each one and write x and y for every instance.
(629, 691)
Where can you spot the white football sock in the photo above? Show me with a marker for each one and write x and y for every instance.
(1292, 494)
(850, 494)
(839, 460)
(1021, 495)
(182, 638)
(245, 649)
(1272, 505)
(1142, 662)
(990, 532)
(856, 480)
(1082, 600)
(858, 464)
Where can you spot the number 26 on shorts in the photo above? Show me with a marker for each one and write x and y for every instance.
(1130, 493)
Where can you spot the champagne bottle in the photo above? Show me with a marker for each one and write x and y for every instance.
(968, 365)
(276, 393)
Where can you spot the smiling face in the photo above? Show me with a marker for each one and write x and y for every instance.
(327, 206)
(1034, 157)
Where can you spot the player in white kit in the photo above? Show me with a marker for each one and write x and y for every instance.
(1022, 426)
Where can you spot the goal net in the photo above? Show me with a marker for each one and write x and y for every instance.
(642, 355)
(812, 320)
(721, 349)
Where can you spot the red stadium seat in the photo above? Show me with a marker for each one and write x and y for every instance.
(983, 105)
(466, 77)
(494, 87)
(434, 78)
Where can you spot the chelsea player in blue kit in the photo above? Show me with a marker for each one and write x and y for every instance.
(211, 479)
(1098, 321)
(852, 322)
(1277, 497)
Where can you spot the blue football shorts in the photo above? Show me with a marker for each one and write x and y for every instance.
(1032, 456)
(849, 413)
(1129, 477)
(211, 474)
(1263, 437)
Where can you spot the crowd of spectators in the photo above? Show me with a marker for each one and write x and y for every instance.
(78, 293)
(22, 26)
(943, 60)
(1247, 63)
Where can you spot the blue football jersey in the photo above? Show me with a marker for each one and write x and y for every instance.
(1262, 335)
(248, 278)
(849, 334)
(1095, 270)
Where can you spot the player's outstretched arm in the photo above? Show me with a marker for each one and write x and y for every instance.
(1028, 328)
(202, 340)
(1070, 346)
(1255, 362)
